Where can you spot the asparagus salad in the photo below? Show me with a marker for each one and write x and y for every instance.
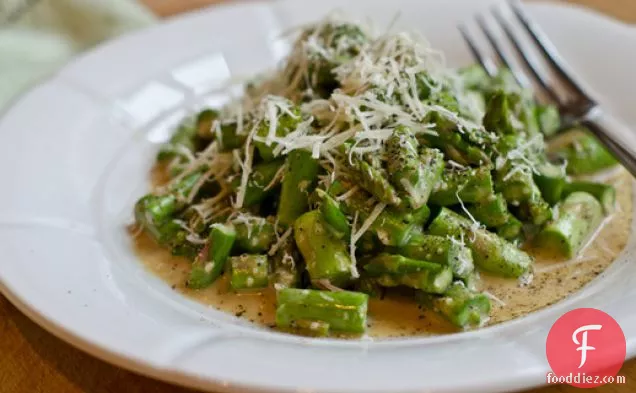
(364, 175)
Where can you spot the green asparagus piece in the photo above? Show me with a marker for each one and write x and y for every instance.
(418, 216)
(551, 181)
(583, 152)
(326, 256)
(453, 145)
(492, 212)
(579, 215)
(535, 209)
(490, 252)
(548, 118)
(390, 228)
(375, 181)
(152, 211)
(300, 178)
(285, 265)
(175, 237)
(249, 271)
(443, 250)
(261, 176)
(343, 311)
(413, 173)
(526, 111)
(333, 215)
(467, 186)
(461, 306)
(499, 117)
(287, 123)
(604, 193)
(181, 190)
(515, 183)
(511, 230)
(393, 270)
(254, 234)
(346, 39)
(518, 187)
(205, 271)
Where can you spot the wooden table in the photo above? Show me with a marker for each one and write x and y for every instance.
(33, 361)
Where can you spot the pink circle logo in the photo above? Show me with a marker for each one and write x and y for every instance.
(585, 348)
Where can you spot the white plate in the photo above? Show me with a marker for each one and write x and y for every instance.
(75, 153)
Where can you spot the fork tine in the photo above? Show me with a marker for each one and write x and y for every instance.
(547, 47)
(486, 62)
(503, 56)
(527, 59)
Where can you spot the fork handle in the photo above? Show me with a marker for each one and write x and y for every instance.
(619, 138)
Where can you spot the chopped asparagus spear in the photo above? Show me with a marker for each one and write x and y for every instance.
(390, 226)
(579, 215)
(261, 177)
(249, 271)
(516, 184)
(551, 181)
(413, 173)
(152, 211)
(205, 272)
(490, 252)
(288, 120)
(254, 234)
(583, 153)
(375, 181)
(548, 118)
(511, 230)
(175, 237)
(467, 186)
(392, 270)
(499, 117)
(326, 256)
(461, 306)
(300, 179)
(492, 212)
(333, 215)
(443, 250)
(417, 216)
(604, 193)
(285, 265)
(343, 311)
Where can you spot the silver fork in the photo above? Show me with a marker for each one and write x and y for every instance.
(578, 107)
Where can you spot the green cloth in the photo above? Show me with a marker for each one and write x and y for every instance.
(39, 36)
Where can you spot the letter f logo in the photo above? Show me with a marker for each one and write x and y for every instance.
(583, 344)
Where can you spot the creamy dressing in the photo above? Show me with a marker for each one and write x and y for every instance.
(398, 315)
